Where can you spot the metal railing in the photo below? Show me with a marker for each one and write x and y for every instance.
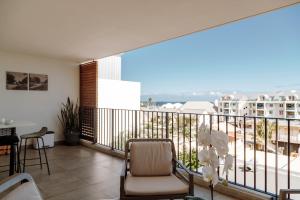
(262, 162)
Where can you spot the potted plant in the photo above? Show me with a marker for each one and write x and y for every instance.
(69, 119)
(214, 147)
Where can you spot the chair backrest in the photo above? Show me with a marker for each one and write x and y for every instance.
(150, 157)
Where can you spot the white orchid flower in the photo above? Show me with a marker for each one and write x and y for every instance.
(214, 161)
(219, 140)
(204, 137)
(203, 157)
(207, 172)
(215, 179)
(210, 174)
(228, 164)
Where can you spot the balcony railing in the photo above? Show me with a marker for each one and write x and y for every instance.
(261, 161)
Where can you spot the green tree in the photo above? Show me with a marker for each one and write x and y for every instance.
(260, 129)
(193, 164)
(149, 102)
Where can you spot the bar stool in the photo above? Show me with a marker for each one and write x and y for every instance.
(38, 135)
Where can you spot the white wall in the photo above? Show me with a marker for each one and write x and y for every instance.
(110, 67)
(119, 94)
(39, 107)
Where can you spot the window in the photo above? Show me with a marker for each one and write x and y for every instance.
(280, 112)
(281, 105)
(270, 112)
(271, 105)
(221, 110)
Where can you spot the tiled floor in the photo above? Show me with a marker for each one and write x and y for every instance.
(85, 174)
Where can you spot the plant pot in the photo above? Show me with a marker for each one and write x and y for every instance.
(72, 138)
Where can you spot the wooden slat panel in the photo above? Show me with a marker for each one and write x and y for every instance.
(88, 84)
(88, 99)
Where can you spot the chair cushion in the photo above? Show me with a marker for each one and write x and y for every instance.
(155, 185)
(25, 191)
(151, 158)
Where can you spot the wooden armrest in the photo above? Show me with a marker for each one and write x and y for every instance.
(284, 192)
(122, 178)
(124, 169)
(13, 180)
(182, 166)
(190, 176)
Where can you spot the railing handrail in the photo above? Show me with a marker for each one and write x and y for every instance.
(205, 114)
(114, 126)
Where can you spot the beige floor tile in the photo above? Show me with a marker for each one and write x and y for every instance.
(83, 174)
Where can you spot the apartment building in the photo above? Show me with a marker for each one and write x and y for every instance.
(285, 105)
(233, 105)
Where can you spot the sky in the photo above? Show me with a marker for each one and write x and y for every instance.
(258, 54)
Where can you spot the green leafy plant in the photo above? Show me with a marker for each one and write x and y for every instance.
(194, 162)
(69, 116)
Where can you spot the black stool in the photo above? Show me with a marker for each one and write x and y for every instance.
(37, 136)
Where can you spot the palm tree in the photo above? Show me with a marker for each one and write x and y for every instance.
(149, 104)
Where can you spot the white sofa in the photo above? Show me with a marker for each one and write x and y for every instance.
(19, 187)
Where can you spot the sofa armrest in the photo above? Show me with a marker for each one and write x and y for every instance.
(190, 179)
(13, 180)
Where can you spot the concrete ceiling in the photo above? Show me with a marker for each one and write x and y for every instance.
(81, 30)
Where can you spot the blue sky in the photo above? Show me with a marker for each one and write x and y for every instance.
(258, 54)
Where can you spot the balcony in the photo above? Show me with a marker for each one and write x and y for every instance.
(290, 106)
(61, 43)
(260, 106)
(83, 173)
(252, 149)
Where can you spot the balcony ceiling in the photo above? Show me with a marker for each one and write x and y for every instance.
(81, 30)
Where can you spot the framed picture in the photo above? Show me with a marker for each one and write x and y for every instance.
(16, 81)
(38, 82)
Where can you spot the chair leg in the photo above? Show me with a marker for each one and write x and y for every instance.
(24, 158)
(38, 144)
(19, 155)
(17, 158)
(45, 156)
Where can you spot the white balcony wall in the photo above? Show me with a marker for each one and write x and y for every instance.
(116, 94)
(110, 67)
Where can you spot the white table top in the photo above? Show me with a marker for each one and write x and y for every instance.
(17, 124)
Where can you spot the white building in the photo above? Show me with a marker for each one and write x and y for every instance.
(199, 107)
(110, 67)
(280, 105)
(114, 93)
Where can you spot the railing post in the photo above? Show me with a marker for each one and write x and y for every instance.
(95, 125)
(112, 129)
(135, 124)
(167, 125)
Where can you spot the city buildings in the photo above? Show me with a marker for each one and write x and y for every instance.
(282, 105)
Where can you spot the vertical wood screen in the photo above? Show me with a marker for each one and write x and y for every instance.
(88, 100)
